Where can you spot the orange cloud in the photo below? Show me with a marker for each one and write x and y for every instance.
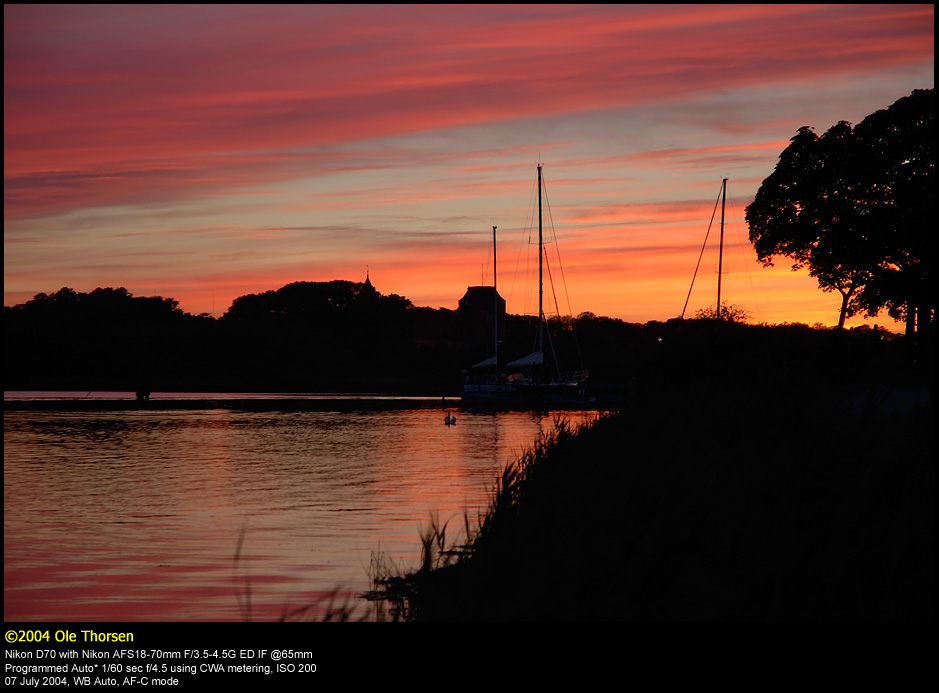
(171, 148)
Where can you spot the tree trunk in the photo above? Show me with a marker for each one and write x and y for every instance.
(844, 309)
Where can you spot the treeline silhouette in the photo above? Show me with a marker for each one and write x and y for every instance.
(343, 336)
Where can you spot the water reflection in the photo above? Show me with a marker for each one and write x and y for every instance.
(137, 515)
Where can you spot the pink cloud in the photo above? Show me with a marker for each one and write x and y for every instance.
(218, 112)
(296, 84)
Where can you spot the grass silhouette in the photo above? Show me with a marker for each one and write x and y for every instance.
(699, 503)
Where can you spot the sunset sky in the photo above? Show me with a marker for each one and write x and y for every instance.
(206, 152)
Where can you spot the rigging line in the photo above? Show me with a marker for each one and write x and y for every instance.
(554, 293)
(703, 246)
(557, 252)
(524, 249)
(567, 295)
(547, 208)
(557, 310)
(486, 269)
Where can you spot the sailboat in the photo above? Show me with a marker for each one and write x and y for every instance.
(526, 380)
(722, 199)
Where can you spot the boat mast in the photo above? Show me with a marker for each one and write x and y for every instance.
(720, 257)
(495, 303)
(540, 271)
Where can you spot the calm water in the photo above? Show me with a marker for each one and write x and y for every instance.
(126, 514)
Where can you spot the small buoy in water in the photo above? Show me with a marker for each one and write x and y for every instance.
(450, 420)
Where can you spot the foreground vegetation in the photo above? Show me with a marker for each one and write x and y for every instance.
(703, 502)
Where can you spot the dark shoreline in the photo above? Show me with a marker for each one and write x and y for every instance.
(73, 400)
(248, 402)
(702, 504)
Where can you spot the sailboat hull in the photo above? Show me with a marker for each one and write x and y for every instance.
(521, 393)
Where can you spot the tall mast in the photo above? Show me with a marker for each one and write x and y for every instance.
(720, 257)
(495, 302)
(540, 270)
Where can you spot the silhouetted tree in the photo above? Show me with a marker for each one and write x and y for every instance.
(730, 313)
(310, 332)
(105, 339)
(855, 207)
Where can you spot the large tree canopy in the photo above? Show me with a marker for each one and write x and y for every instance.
(856, 208)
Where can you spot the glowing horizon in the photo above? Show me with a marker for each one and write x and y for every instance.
(206, 152)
